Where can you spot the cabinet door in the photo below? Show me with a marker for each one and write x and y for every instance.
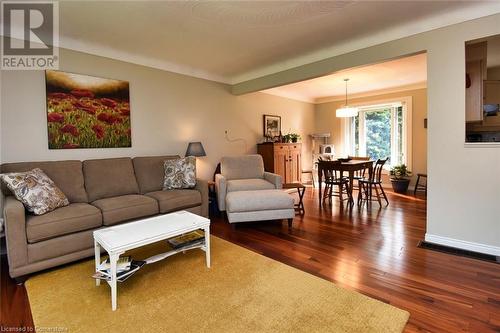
(280, 161)
(474, 94)
(492, 92)
(295, 157)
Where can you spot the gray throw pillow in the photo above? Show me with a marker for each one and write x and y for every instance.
(35, 190)
(180, 173)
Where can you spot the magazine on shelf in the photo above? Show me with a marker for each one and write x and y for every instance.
(191, 238)
(123, 264)
(122, 275)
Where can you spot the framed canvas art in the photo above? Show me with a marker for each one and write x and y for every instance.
(272, 125)
(86, 111)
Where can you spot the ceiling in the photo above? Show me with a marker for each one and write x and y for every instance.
(235, 41)
(399, 74)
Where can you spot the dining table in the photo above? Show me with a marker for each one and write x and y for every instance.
(350, 167)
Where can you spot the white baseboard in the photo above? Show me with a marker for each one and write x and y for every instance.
(464, 245)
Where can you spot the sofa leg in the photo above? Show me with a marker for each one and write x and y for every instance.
(21, 279)
(290, 221)
(233, 226)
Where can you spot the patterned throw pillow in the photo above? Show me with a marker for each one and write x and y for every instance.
(35, 190)
(180, 173)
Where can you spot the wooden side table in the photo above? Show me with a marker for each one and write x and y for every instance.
(301, 190)
(212, 199)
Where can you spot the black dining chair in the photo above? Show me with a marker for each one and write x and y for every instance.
(373, 183)
(335, 184)
(360, 174)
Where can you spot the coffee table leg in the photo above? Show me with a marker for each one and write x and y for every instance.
(207, 245)
(113, 258)
(97, 250)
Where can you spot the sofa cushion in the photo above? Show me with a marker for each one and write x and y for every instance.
(249, 185)
(180, 173)
(242, 167)
(105, 178)
(173, 200)
(62, 221)
(35, 190)
(67, 175)
(149, 172)
(248, 201)
(126, 207)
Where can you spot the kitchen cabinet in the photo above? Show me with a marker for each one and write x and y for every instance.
(284, 159)
(491, 92)
(474, 94)
(476, 71)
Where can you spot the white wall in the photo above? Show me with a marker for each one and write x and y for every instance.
(167, 111)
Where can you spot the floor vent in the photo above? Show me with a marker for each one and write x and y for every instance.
(459, 252)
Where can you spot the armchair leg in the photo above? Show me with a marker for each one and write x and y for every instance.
(290, 221)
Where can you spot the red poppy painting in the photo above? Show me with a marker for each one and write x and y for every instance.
(87, 112)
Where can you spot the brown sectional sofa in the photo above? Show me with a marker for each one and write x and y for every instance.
(101, 192)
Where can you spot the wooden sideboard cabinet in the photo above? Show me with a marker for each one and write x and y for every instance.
(283, 159)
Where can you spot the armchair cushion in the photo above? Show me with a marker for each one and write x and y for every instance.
(242, 167)
(249, 185)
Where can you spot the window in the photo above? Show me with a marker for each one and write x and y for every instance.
(381, 131)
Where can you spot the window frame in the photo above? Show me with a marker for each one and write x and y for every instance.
(347, 127)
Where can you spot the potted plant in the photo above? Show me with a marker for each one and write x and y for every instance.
(291, 137)
(294, 137)
(400, 178)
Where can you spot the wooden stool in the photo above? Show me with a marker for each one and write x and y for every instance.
(418, 186)
(301, 190)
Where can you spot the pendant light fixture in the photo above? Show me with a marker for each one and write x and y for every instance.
(346, 111)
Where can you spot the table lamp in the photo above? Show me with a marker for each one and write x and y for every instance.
(195, 149)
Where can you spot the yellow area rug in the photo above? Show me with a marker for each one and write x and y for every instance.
(242, 292)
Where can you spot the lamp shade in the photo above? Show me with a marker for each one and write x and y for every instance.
(346, 112)
(195, 149)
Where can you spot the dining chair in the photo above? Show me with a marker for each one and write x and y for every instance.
(359, 174)
(332, 177)
(367, 185)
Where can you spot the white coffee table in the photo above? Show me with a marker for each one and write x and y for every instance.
(118, 239)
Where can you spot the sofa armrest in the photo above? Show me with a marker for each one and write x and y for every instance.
(202, 186)
(15, 232)
(274, 178)
(221, 189)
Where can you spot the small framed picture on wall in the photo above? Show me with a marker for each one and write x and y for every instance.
(272, 125)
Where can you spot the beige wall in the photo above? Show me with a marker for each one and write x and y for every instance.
(326, 121)
(168, 111)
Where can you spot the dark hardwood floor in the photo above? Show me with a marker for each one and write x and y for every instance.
(370, 250)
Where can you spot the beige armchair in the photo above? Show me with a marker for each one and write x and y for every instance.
(243, 173)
